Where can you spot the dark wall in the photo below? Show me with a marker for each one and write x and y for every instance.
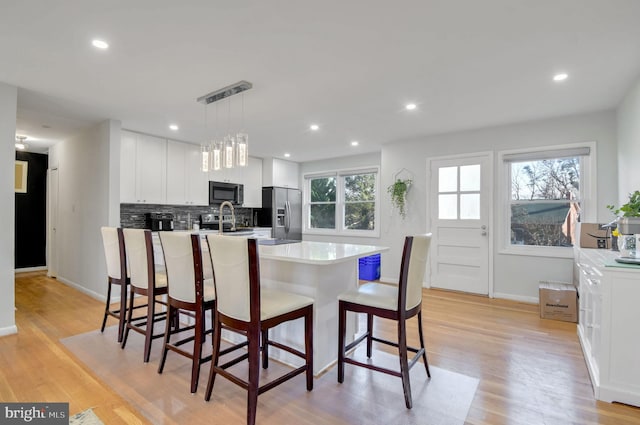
(31, 231)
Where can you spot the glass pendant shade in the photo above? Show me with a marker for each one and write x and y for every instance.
(228, 151)
(216, 156)
(242, 149)
(205, 158)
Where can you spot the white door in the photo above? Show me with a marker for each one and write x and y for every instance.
(52, 263)
(460, 198)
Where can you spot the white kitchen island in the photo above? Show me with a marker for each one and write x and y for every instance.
(319, 270)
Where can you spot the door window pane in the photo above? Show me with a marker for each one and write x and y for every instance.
(470, 206)
(447, 207)
(470, 178)
(448, 179)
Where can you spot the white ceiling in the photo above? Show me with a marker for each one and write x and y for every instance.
(347, 65)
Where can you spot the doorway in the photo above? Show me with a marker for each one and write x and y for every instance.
(460, 196)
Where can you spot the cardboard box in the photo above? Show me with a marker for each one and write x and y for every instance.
(558, 301)
(592, 235)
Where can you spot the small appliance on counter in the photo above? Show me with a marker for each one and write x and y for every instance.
(628, 241)
(157, 221)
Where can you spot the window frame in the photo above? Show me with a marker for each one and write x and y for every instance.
(340, 203)
(588, 196)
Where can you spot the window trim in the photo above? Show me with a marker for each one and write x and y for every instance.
(340, 202)
(588, 191)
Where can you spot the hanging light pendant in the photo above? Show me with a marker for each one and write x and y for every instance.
(216, 155)
(228, 151)
(205, 158)
(242, 149)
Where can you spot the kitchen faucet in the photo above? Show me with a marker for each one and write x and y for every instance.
(233, 217)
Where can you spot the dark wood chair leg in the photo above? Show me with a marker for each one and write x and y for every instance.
(342, 318)
(171, 312)
(128, 320)
(198, 341)
(265, 348)
(404, 364)
(123, 309)
(214, 360)
(369, 334)
(424, 353)
(106, 307)
(254, 376)
(148, 334)
(308, 346)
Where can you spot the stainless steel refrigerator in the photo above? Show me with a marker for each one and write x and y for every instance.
(282, 211)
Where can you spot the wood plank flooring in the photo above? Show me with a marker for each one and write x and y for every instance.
(531, 371)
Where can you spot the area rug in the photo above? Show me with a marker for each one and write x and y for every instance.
(365, 397)
(86, 417)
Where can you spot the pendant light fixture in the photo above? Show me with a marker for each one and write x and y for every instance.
(233, 149)
(20, 144)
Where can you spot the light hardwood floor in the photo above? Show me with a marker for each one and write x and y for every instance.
(531, 371)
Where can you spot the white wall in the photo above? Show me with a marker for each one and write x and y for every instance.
(345, 162)
(629, 144)
(515, 277)
(88, 198)
(8, 102)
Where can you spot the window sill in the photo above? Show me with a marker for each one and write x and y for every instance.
(532, 251)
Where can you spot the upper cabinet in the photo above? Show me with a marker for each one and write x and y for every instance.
(186, 183)
(278, 172)
(143, 168)
(252, 180)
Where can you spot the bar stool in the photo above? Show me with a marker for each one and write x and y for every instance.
(395, 303)
(144, 281)
(115, 255)
(243, 307)
(188, 292)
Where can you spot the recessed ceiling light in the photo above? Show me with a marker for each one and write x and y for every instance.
(314, 127)
(20, 144)
(174, 127)
(287, 155)
(100, 44)
(560, 77)
(355, 143)
(410, 106)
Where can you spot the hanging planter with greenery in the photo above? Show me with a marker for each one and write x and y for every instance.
(398, 192)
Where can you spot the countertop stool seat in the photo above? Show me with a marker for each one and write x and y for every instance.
(397, 303)
(146, 281)
(114, 251)
(187, 292)
(243, 307)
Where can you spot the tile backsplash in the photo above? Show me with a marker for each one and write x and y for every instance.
(132, 215)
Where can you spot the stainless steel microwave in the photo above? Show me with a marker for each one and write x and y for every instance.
(223, 191)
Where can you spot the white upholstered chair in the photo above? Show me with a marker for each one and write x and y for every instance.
(188, 291)
(244, 307)
(397, 303)
(114, 252)
(144, 281)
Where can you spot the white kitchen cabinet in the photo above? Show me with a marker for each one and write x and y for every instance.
(143, 168)
(608, 324)
(281, 173)
(252, 180)
(228, 175)
(186, 183)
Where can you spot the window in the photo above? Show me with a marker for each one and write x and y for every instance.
(546, 195)
(343, 202)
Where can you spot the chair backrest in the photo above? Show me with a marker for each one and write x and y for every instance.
(140, 260)
(412, 270)
(114, 252)
(183, 261)
(236, 275)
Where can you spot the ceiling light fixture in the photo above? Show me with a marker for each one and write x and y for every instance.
(287, 155)
(20, 144)
(410, 106)
(233, 149)
(314, 127)
(355, 143)
(174, 127)
(560, 77)
(100, 44)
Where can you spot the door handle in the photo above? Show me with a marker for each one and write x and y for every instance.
(484, 233)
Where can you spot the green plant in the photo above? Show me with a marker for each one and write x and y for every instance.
(630, 209)
(398, 191)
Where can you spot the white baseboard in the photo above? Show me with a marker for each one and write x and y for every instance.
(31, 269)
(84, 290)
(519, 298)
(9, 330)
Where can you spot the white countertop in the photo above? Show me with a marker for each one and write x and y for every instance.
(318, 252)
